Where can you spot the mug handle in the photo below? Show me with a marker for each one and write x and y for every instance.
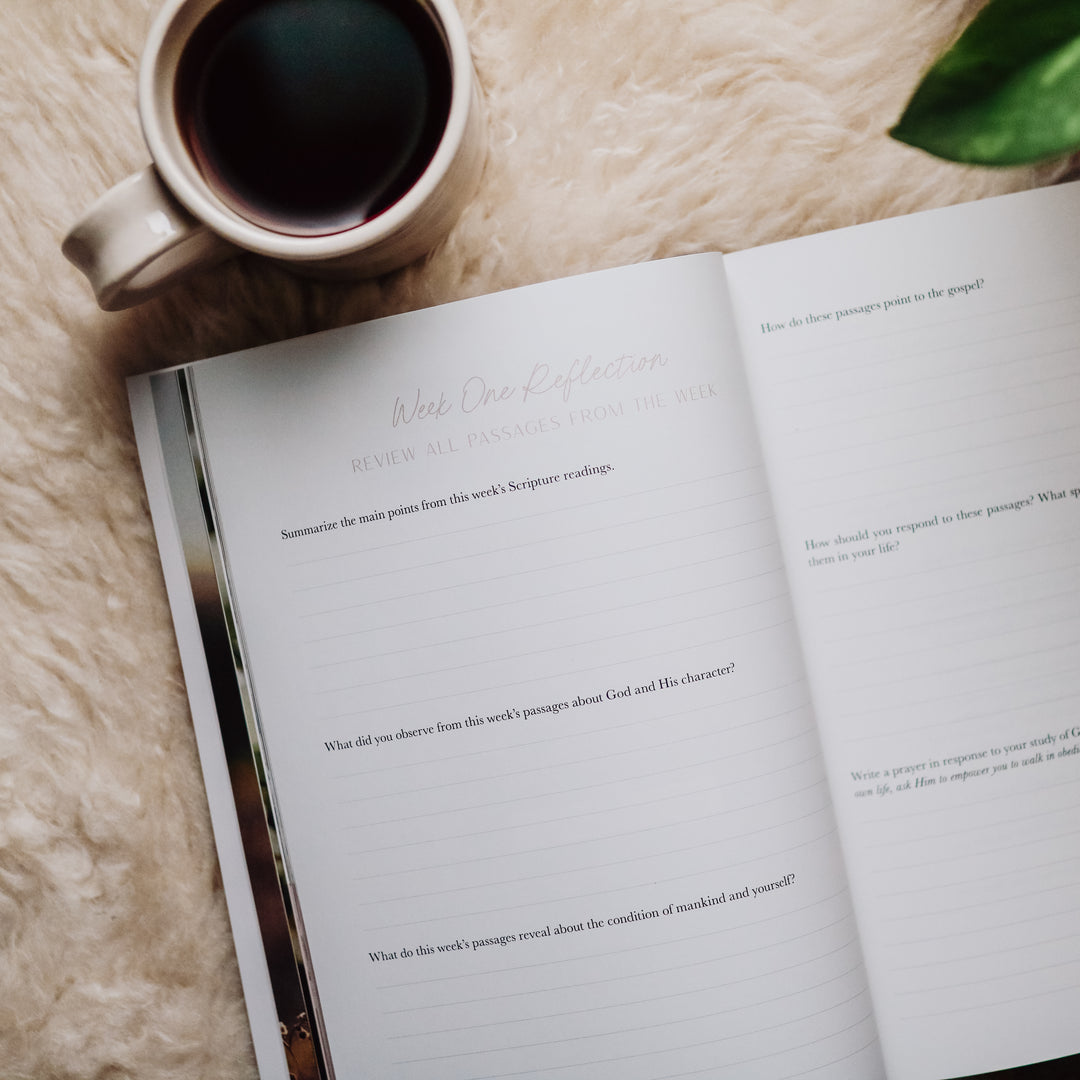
(137, 240)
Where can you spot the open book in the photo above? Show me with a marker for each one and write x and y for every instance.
(668, 672)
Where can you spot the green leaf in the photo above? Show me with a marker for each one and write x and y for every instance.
(1008, 91)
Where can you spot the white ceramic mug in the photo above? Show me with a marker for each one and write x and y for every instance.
(175, 216)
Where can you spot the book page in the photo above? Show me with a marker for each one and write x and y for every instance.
(917, 383)
(513, 608)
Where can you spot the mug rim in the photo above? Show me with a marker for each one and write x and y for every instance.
(166, 41)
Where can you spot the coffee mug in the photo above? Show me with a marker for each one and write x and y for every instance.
(338, 137)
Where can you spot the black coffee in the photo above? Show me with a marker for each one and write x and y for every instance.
(312, 116)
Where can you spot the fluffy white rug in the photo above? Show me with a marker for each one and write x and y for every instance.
(621, 130)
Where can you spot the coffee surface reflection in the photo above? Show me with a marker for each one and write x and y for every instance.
(313, 116)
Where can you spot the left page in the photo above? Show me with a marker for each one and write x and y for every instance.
(507, 599)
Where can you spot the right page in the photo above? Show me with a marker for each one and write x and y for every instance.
(917, 383)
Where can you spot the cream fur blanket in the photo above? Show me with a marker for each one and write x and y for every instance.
(621, 130)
